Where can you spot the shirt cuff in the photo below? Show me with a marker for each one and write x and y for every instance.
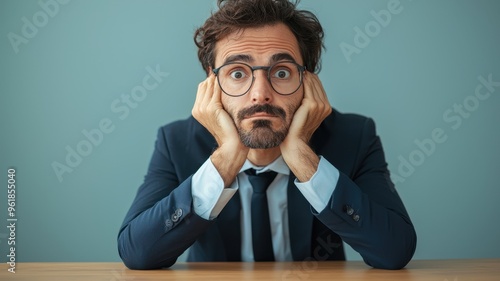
(209, 194)
(319, 189)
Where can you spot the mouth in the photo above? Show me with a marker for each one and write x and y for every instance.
(261, 112)
(260, 115)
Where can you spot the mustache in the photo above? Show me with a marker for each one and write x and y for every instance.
(266, 108)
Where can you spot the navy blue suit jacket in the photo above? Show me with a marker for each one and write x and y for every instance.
(365, 210)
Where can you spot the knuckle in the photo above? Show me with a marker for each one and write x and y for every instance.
(195, 112)
(201, 87)
(313, 106)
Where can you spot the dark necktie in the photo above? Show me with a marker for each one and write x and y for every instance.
(261, 227)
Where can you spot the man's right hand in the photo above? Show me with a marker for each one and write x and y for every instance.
(209, 111)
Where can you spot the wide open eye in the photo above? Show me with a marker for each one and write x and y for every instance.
(237, 74)
(281, 73)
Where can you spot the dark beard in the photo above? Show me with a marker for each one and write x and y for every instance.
(262, 136)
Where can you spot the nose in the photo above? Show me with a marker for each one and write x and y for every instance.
(261, 90)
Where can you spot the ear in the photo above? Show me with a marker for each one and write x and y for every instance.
(209, 71)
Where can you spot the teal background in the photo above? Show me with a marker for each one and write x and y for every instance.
(65, 79)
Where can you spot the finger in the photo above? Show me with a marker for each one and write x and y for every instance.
(209, 89)
(317, 86)
(312, 98)
(199, 98)
(320, 93)
(202, 89)
(202, 98)
(308, 90)
(321, 104)
(208, 94)
(216, 90)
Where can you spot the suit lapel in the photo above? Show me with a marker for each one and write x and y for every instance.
(300, 221)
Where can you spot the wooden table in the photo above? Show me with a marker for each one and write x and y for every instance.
(419, 270)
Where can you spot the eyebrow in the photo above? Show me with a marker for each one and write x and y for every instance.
(235, 58)
(248, 59)
(281, 57)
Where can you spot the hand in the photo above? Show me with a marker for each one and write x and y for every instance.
(314, 108)
(209, 111)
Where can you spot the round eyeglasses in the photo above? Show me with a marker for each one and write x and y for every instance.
(236, 78)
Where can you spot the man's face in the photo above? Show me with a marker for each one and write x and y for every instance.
(262, 116)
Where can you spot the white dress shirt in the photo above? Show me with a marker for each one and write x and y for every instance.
(210, 197)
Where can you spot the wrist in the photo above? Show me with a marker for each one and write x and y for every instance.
(228, 160)
(301, 159)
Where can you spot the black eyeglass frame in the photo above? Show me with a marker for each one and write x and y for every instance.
(301, 69)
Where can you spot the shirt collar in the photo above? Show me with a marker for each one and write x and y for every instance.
(279, 166)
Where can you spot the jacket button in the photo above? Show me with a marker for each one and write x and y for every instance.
(178, 212)
(355, 217)
(177, 215)
(349, 210)
(168, 224)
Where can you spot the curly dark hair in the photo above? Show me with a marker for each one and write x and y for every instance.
(234, 15)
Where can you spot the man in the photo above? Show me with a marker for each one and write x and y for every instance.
(262, 108)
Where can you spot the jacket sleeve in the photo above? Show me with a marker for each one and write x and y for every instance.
(161, 224)
(366, 211)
